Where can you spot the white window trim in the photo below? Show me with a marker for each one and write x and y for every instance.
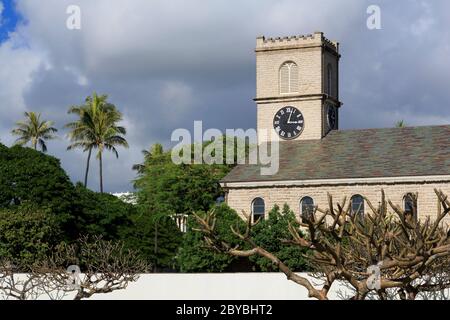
(289, 64)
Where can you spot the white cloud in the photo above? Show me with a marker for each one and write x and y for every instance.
(16, 68)
(81, 79)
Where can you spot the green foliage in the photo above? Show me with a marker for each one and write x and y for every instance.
(400, 124)
(33, 130)
(26, 233)
(140, 236)
(194, 256)
(29, 175)
(102, 214)
(270, 233)
(97, 128)
(166, 189)
(150, 155)
(178, 189)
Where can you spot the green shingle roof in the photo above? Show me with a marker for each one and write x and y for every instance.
(370, 153)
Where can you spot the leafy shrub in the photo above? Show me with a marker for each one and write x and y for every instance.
(159, 250)
(270, 233)
(27, 175)
(194, 256)
(27, 233)
(102, 214)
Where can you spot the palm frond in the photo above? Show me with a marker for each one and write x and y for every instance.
(33, 130)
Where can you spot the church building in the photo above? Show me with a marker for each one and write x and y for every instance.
(297, 96)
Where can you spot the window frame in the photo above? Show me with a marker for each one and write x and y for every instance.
(414, 207)
(363, 207)
(253, 209)
(302, 214)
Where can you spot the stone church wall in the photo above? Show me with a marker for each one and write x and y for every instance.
(241, 199)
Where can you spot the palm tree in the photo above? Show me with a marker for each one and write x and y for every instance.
(400, 124)
(149, 155)
(33, 130)
(80, 131)
(97, 128)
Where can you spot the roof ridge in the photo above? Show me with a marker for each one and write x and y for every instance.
(391, 128)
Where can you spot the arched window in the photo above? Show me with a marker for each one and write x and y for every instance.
(307, 208)
(258, 209)
(329, 80)
(289, 77)
(410, 205)
(357, 205)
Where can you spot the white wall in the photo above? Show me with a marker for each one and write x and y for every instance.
(218, 286)
(215, 286)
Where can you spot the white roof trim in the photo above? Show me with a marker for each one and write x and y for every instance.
(301, 183)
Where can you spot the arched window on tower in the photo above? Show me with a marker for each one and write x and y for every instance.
(258, 209)
(329, 78)
(307, 208)
(410, 205)
(288, 78)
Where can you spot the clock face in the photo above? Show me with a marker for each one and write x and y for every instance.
(331, 117)
(288, 123)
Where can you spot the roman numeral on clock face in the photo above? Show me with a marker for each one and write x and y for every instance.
(288, 122)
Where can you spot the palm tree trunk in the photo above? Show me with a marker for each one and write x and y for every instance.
(101, 171)
(34, 144)
(87, 167)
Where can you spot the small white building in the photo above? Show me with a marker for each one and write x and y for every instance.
(128, 197)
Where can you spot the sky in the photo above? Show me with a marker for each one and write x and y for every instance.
(167, 63)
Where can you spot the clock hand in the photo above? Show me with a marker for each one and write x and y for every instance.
(289, 120)
(292, 122)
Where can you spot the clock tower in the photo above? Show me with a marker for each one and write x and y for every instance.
(297, 87)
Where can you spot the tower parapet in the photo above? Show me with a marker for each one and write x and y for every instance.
(300, 41)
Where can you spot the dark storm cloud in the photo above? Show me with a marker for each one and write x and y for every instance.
(168, 63)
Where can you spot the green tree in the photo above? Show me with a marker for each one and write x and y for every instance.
(156, 240)
(195, 256)
(35, 131)
(97, 128)
(80, 134)
(150, 155)
(27, 233)
(270, 234)
(165, 189)
(178, 188)
(102, 214)
(31, 176)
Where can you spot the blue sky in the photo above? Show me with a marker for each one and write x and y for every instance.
(167, 63)
(9, 18)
